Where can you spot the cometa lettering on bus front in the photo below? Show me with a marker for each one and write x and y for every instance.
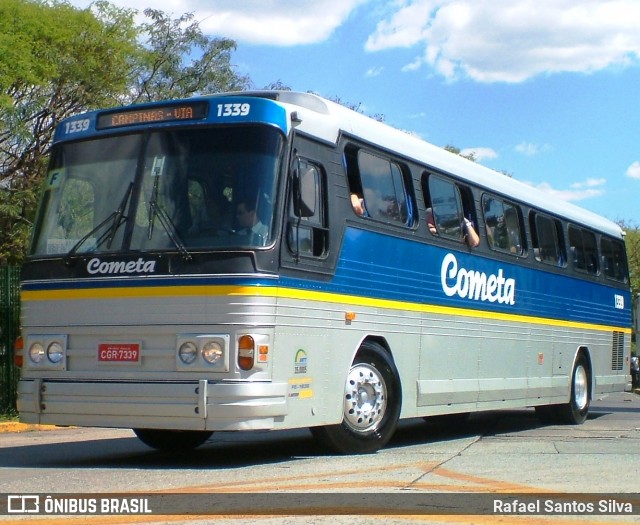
(96, 266)
(475, 285)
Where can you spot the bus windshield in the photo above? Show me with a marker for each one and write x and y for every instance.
(167, 190)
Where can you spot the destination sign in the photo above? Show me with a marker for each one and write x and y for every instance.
(134, 116)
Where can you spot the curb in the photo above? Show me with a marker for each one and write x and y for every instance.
(15, 426)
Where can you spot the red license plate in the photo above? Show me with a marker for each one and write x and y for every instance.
(119, 352)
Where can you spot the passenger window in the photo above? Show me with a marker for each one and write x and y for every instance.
(547, 240)
(614, 260)
(450, 211)
(379, 188)
(584, 250)
(503, 224)
(446, 205)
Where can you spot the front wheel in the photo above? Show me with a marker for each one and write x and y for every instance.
(371, 405)
(172, 440)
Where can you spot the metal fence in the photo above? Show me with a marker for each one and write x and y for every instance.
(9, 329)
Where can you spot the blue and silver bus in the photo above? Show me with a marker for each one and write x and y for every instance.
(273, 260)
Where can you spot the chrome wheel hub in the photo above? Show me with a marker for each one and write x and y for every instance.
(365, 398)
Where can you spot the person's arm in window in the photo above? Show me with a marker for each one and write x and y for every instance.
(470, 234)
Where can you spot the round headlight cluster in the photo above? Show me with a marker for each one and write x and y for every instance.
(212, 352)
(203, 352)
(36, 353)
(54, 353)
(188, 352)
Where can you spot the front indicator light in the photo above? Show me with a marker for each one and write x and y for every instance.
(18, 349)
(55, 352)
(36, 353)
(188, 352)
(213, 353)
(246, 352)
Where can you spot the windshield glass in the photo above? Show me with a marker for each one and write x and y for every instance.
(173, 190)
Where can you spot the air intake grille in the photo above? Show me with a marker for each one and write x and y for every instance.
(617, 350)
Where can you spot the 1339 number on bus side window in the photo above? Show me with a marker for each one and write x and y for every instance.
(234, 110)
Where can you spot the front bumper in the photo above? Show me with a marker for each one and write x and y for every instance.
(180, 405)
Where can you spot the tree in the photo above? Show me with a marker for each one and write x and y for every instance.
(160, 71)
(632, 240)
(57, 60)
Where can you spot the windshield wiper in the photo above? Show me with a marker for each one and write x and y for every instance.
(156, 210)
(116, 218)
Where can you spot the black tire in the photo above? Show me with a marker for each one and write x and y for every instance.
(372, 402)
(575, 412)
(172, 440)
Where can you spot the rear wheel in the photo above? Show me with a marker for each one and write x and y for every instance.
(371, 405)
(576, 410)
(175, 440)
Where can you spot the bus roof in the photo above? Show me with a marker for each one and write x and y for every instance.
(327, 120)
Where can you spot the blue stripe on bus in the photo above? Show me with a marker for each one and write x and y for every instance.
(376, 266)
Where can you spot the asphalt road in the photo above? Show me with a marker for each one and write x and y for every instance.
(498, 452)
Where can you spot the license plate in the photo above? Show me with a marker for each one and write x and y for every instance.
(119, 353)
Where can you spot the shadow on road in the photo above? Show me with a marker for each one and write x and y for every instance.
(240, 449)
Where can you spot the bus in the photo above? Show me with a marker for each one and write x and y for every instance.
(273, 260)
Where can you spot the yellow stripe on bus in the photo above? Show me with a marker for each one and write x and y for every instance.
(298, 294)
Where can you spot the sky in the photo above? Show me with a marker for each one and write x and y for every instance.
(547, 91)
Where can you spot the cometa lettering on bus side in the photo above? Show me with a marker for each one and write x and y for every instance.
(95, 266)
(475, 285)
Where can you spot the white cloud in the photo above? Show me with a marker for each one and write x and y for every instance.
(479, 154)
(513, 40)
(529, 149)
(264, 22)
(589, 183)
(374, 72)
(577, 191)
(633, 171)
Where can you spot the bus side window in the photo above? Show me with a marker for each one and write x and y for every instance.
(450, 209)
(307, 232)
(446, 205)
(584, 250)
(547, 240)
(614, 260)
(503, 225)
(379, 187)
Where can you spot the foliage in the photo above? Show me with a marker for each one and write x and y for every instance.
(57, 60)
(632, 240)
(160, 72)
(452, 149)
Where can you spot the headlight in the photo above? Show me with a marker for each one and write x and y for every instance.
(188, 352)
(36, 353)
(212, 352)
(46, 352)
(202, 353)
(55, 352)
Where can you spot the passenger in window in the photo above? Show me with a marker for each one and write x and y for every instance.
(470, 235)
(357, 202)
(431, 223)
(250, 223)
(469, 232)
